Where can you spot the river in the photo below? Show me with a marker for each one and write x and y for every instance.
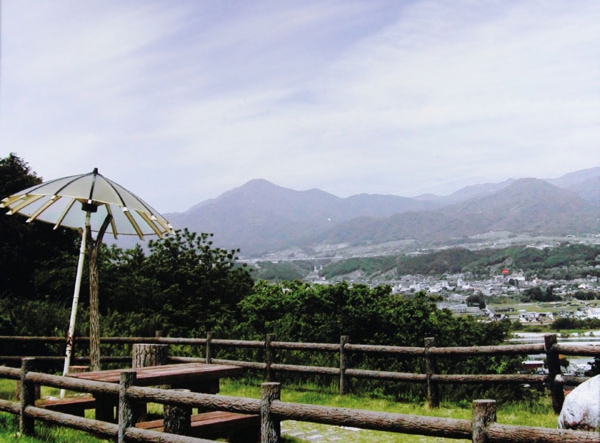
(577, 364)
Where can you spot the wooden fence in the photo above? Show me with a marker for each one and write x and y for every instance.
(554, 380)
(482, 428)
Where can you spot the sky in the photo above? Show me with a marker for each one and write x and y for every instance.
(180, 101)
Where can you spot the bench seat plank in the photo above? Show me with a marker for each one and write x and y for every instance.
(69, 405)
(217, 424)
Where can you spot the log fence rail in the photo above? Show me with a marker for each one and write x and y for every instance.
(554, 380)
(481, 429)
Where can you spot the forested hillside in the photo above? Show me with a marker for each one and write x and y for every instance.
(567, 261)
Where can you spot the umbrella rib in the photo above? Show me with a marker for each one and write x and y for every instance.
(42, 208)
(6, 202)
(150, 223)
(27, 200)
(64, 213)
(145, 216)
(163, 223)
(133, 223)
(113, 225)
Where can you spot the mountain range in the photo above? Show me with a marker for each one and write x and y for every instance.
(261, 218)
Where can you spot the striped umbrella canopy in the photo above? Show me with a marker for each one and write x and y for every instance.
(70, 200)
(86, 202)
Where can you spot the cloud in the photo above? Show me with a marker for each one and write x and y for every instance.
(181, 101)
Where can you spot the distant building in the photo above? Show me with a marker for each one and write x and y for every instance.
(533, 366)
(535, 317)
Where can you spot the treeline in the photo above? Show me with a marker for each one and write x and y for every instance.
(368, 265)
(569, 323)
(283, 271)
(566, 261)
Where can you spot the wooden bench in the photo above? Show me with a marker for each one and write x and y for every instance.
(68, 405)
(234, 427)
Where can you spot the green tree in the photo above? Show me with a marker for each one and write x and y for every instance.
(476, 300)
(298, 311)
(564, 323)
(533, 294)
(281, 271)
(184, 287)
(36, 261)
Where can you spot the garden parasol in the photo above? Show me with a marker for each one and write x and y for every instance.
(90, 202)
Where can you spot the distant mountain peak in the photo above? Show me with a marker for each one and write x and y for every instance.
(260, 216)
(259, 183)
(254, 185)
(574, 178)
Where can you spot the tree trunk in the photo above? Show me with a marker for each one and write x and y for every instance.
(149, 354)
(177, 419)
(94, 246)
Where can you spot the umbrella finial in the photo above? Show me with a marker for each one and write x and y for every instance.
(95, 171)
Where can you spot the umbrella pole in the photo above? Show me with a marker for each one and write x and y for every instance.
(94, 247)
(71, 331)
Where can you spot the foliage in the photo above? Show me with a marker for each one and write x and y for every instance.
(368, 265)
(562, 323)
(16, 175)
(476, 300)
(37, 263)
(536, 294)
(27, 250)
(446, 261)
(297, 311)
(282, 271)
(586, 295)
(183, 287)
(567, 261)
(304, 312)
(595, 368)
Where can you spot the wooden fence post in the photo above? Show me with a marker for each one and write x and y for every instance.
(149, 354)
(27, 392)
(269, 357)
(270, 427)
(343, 364)
(209, 353)
(553, 360)
(126, 407)
(433, 394)
(177, 419)
(484, 413)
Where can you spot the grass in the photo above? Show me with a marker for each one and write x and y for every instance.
(44, 433)
(520, 414)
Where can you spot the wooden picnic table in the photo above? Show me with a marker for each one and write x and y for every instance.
(182, 375)
(197, 377)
